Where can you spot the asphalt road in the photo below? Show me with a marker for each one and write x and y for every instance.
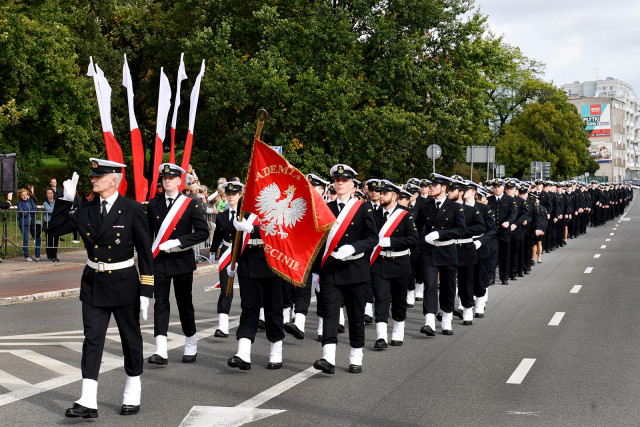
(584, 369)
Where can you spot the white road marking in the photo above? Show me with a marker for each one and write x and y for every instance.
(12, 383)
(596, 256)
(615, 228)
(603, 246)
(556, 319)
(626, 219)
(533, 413)
(607, 240)
(575, 289)
(246, 411)
(611, 234)
(588, 270)
(521, 371)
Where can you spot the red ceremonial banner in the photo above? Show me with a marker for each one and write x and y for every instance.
(114, 153)
(294, 220)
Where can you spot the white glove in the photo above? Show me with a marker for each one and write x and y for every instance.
(144, 305)
(385, 242)
(212, 257)
(230, 272)
(432, 236)
(243, 226)
(343, 252)
(70, 187)
(173, 243)
(315, 281)
(477, 244)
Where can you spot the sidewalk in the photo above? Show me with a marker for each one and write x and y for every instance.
(22, 281)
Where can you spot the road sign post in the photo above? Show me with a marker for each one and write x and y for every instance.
(434, 152)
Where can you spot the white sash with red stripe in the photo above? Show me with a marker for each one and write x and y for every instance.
(387, 230)
(170, 221)
(340, 226)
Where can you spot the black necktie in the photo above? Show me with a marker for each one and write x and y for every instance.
(233, 215)
(340, 207)
(170, 200)
(438, 205)
(386, 216)
(104, 210)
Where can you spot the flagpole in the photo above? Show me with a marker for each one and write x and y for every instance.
(262, 116)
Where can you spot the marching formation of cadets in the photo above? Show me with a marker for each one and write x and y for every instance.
(436, 241)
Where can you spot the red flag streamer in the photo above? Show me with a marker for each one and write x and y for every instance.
(294, 220)
(137, 151)
(103, 93)
(182, 74)
(164, 103)
(195, 93)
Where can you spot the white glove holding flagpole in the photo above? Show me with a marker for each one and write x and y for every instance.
(70, 186)
(315, 281)
(144, 305)
(385, 242)
(343, 252)
(230, 272)
(243, 226)
(169, 244)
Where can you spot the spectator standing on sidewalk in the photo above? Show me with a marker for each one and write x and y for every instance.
(52, 241)
(27, 224)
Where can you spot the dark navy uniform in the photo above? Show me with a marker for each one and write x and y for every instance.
(504, 211)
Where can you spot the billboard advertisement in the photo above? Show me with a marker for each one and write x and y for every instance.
(601, 152)
(597, 119)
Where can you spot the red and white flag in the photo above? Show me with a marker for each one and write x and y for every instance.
(294, 220)
(164, 103)
(103, 93)
(195, 93)
(182, 74)
(137, 150)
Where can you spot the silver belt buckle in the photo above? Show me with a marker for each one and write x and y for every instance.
(101, 268)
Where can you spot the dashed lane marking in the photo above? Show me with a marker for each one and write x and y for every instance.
(588, 270)
(575, 289)
(596, 256)
(556, 319)
(603, 246)
(521, 371)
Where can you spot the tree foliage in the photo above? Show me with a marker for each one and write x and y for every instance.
(370, 83)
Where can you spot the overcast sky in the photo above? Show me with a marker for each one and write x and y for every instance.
(571, 37)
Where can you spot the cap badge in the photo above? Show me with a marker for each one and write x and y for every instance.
(94, 164)
(167, 168)
(340, 169)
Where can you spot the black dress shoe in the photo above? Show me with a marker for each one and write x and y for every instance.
(520, 274)
(467, 322)
(274, 365)
(129, 409)
(78, 411)
(189, 358)
(409, 305)
(341, 329)
(236, 362)
(156, 359)
(479, 315)
(505, 282)
(380, 344)
(219, 334)
(447, 332)
(262, 325)
(324, 366)
(294, 330)
(513, 277)
(426, 329)
(320, 338)
(396, 343)
(457, 313)
(368, 320)
(439, 317)
(527, 272)
(355, 369)
(419, 298)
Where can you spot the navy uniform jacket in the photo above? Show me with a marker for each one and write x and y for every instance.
(448, 221)
(505, 211)
(125, 229)
(404, 236)
(362, 235)
(191, 230)
(474, 226)
(489, 239)
(539, 219)
(529, 206)
(225, 231)
(523, 214)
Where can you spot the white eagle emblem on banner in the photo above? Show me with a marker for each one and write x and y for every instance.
(274, 214)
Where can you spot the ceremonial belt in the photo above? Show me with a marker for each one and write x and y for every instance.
(105, 266)
(340, 226)
(438, 243)
(224, 242)
(394, 254)
(168, 224)
(177, 249)
(477, 237)
(351, 257)
(468, 240)
(255, 242)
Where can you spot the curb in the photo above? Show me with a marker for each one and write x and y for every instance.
(76, 291)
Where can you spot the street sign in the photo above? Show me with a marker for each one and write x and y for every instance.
(434, 151)
(481, 154)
